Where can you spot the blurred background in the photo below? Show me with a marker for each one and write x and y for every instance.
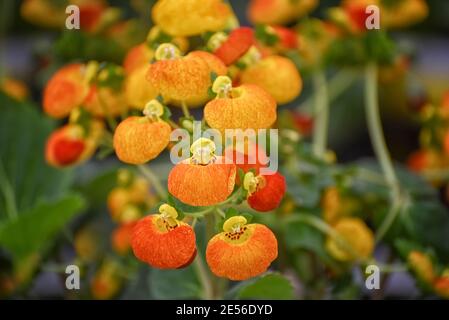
(70, 204)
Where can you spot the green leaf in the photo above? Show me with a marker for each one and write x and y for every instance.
(34, 229)
(175, 284)
(428, 224)
(270, 286)
(25, 178)
(80, 45)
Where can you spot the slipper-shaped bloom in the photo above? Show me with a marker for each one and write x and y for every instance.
(241, 251)
(136, 57)
(121, 238)
(265, 191)
(278, 11)
(355, 240)
(137, 90)
(204, 179)
(245, 107)
(162, 241)
(276, 75)
(105, 101)
(191, 17)
(421, 264)
(65, 91)
(441, 286)
(140, 139)
(184, 79)
(71, 145)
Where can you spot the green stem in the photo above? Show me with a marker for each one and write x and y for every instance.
(154, 181)
(375, 129)
(321, 112)
(185, 109)
(204, 277)
(380, 147)
(337, 85)
(221, 212)
(8, 194)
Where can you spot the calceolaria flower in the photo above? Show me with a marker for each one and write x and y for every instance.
(121, 238)
(421, 264)
(276, 75)
(204, 179)
(352, 15)
(441, 285)
(14, 88)
(65, 91)
(137, 90)
(279, 11)
(265, 191)
(162, 241)
(140, 139)
(184, 79)
(354, 241)
(136, 57)
(245, 107)
(106, 284)
(105, 101)
(191, 17)
(128, 201)
(72, 144)
(242, 250)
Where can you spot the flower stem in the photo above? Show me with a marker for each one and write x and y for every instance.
(185, 109)
(321, 112)
(154, 181)
(375, 128)
(337, 85)
(204, 277)
(380, 147)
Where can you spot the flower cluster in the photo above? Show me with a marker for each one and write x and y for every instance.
(127, 203)
(428, 273)
(434, 140)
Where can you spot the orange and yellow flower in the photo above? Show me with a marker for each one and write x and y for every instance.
(70, 144)
(245, 107)
(105, 101)
(121, 238)
(140, 139)
(265, 191)
(191, 17)
(278, 11)
(106, 284)
(138, 91)
(353, 241)
(441, 286)
(242, 250)
(14, 88)
(162, 241)
(184, 79)
(136, 57)
(421, 264)
(65, 91)
(128, 202)
(276, 75)
(204, 179)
